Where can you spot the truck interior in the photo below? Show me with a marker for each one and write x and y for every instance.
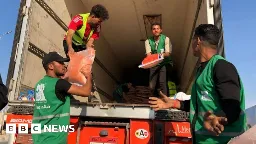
(120, 48)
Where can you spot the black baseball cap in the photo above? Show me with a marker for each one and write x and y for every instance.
(53, 56)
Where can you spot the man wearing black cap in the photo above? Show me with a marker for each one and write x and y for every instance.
(52, 99)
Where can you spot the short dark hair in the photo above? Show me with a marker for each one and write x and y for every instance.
(100, 12)
(46, 67)
(153, 24)
(208, 33)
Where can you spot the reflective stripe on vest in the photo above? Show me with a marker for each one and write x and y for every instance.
(51, 116)
(78, 37)
(172, 88)
(231, 134)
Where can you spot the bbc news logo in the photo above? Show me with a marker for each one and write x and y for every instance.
(37, 129)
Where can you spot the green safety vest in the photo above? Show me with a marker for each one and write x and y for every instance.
(160, 48)
(119, 89)
(49, 110)
(172, 88)
(78, 37)
(205, 98)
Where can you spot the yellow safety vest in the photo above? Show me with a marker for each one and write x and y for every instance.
(78, 37)
(172, 88)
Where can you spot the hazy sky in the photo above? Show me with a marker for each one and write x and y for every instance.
(239, 21)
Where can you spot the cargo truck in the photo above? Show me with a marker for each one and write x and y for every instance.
(40, 28)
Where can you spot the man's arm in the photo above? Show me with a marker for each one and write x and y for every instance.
(168, 47)
(227, 84)
(165, 102)
(95, 36)
(184, 105)
(148, 48)
(69, 39)
(63, 87)
(75, 24)
(181, 105)
(84, 90)
(90, 43)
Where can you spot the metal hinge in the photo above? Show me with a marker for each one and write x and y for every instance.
(52, 14)
(16, 52)
(25, 10)
(211, 2)
(36, 51)
(11, 84)
(104, 106)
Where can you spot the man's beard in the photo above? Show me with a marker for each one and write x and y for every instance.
(59, 74)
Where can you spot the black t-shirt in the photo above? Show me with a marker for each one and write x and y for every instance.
(61, 89)
(227, 85)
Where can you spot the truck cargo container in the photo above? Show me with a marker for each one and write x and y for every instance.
(41, 26)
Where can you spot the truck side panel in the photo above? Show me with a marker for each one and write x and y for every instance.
(15, 42)
(205, 15)
(187, 27)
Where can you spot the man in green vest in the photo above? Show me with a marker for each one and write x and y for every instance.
(217, 100)
(120, 91)
(52, 100)
(160, 44)
(84, 29)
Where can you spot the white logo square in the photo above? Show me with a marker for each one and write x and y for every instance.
(10, 128)
(23, 128)
(36, 128)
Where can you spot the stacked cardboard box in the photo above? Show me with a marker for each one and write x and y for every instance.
(138, 95)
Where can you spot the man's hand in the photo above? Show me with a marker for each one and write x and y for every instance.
(166, 54)
(71, 51)
(160, 103)
(90, 43)
(86, 74)
(214, 123)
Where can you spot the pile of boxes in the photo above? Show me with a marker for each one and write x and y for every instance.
(138, 95)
